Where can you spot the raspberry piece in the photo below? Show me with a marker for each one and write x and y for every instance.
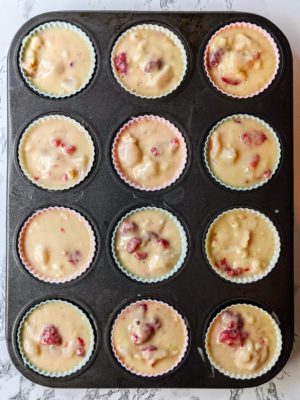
(154, 151)
(231, 320)
(144, 307)
(153, 65)
(133, 244)
(69, 149)
(246, 138)
(266, 174)
(50, 335)
(36, 178)
(164, 243)
(230, 271)
(151, 347)
(230, 81)
(128, 226)
(56, 142)
(140, 255)
(65, 177)
(80, 347)
(255, 160)
(73, 257)
(259, 138)
(174, 143)
(214, 59)
(120, 62)
(156, 323)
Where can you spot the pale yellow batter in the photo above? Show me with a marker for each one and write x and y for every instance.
(242, 340)
(149, 338)
(241, 60)
(148, 62)
(58, 60)
(56, 152)
(148, 243)
(57, 244)
(150, 152)
(56, 337)
(240, 243)
(242, 152)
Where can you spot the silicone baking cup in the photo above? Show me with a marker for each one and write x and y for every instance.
(263, 370)
(171, 35)
(130, 124)
(85, 359)
(38, 274)
(66, 184)
(183, 350)
(61, 25)
(273, 261)
(174, 269)
(265, 34)
(267, 127)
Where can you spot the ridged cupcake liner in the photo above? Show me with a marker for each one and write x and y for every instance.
(174, 269)
(40, 371)
(27, 133)
(171, 35)
(39, 275)
(133, 121)
(273, 261)
(183, 351)
(62, 25)
(267, 127)
(264, 370)
(250, 26)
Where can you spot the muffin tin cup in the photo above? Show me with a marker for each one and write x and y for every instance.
(266, 36)
(37, 274)
(264, 370)
(40, 371)
(130, 124)
(183, 351)
(51, 117)
(171, 35)
(61, 25)
(174, 269)
(267, 127)
(273, 261)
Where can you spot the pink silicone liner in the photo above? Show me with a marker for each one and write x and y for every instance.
(130, 124)
(250, 26)
(38, 274)
(183, 351)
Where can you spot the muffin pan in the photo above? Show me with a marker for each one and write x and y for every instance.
(195, 198)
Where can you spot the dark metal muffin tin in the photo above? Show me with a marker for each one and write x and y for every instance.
(196, 291)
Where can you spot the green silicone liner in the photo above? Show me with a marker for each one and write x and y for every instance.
(176, 267)
(55, 374)
(263, 370)
(62, 25)
(241, 116)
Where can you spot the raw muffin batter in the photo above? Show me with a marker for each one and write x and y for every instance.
(241, 152)
(241, 60)
(57, 243)
(240, 243)
(149, 337)
(242, 340)
(150, 152)
(58, 61)
(148, 62)
(148, 243)
(56, 336)
(56, 153)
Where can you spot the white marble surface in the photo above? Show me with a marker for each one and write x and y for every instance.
(13, 14)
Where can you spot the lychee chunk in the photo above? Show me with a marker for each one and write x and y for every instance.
(153, 65)
(50, 335)
(128, 226)
(133, 244)
(259, 137)
(140, 331)
(121, 63)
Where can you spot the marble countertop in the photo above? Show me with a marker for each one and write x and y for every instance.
(13, 386)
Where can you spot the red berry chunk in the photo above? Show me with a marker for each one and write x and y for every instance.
(80, 347)
(174, 143)
(255, 160)
(69, 149)
(121, 64)
(143, 306)
(246, 138)
(233, 337)
(150, 347)
(73, 256)
(266, 174)
(133, 244)
(231, 320)
(50, 335)
(253, 137)
(164, 243)
(56, 142)
(128, 226)
(153, 65)
(230, 271)
(214, 59)
(65, 177)
(230, 81)
(154, 151)
(140, 255)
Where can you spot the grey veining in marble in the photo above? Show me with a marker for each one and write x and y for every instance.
(13, 386)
